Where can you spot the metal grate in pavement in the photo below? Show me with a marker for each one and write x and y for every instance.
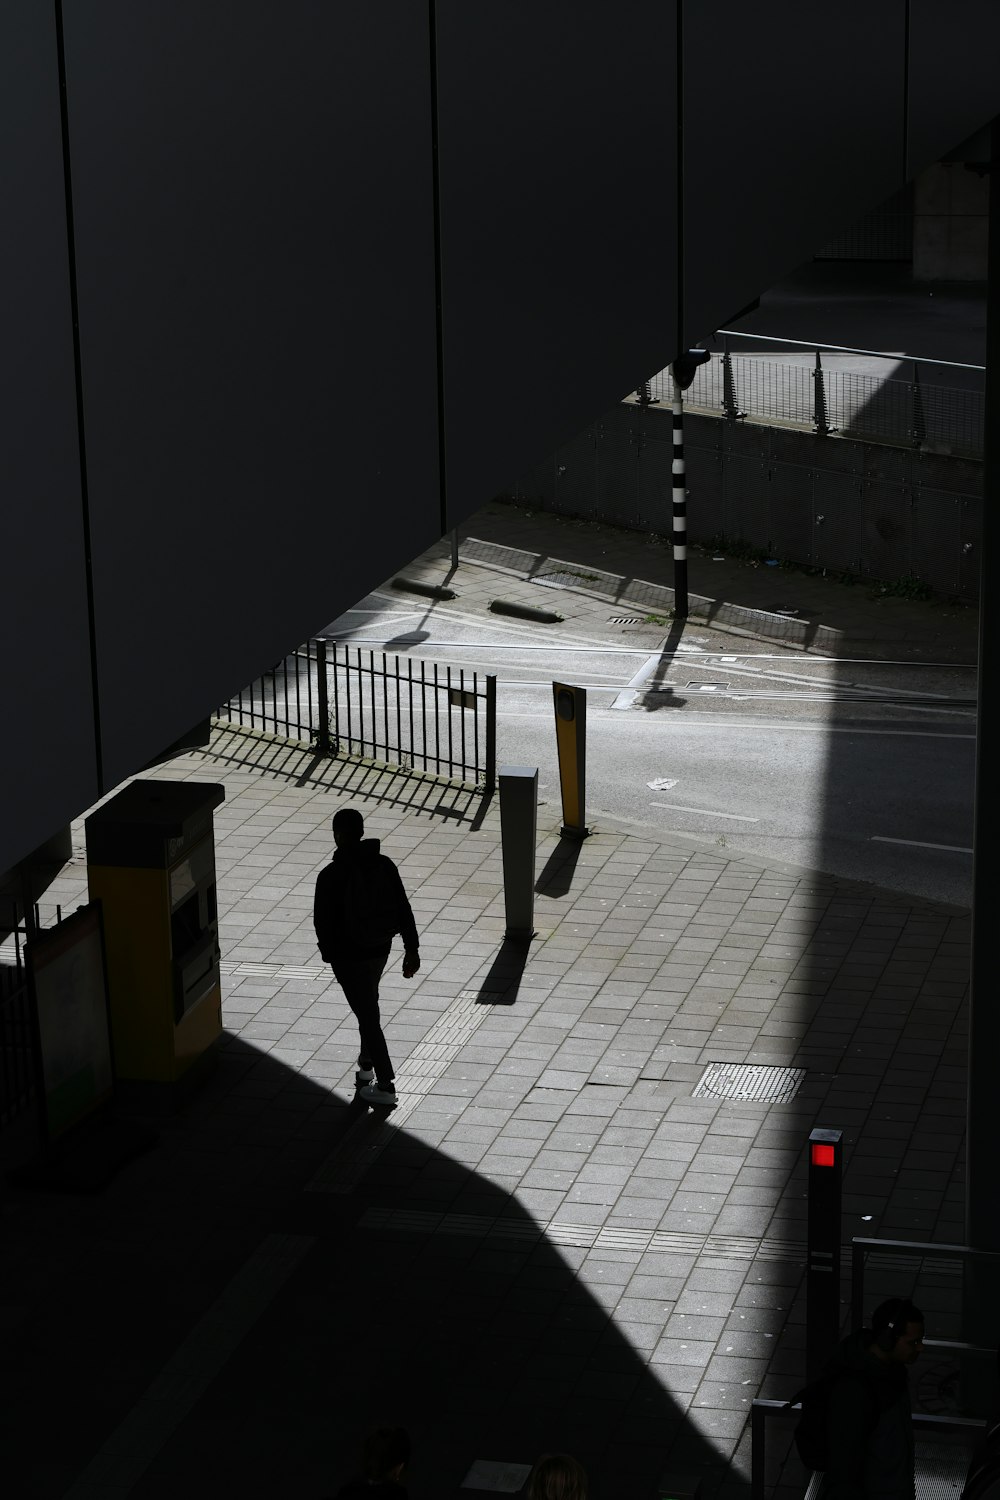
(749, 1082)
(580, 1236)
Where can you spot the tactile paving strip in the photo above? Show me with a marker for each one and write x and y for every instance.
(369, 1136)
(582, 1236)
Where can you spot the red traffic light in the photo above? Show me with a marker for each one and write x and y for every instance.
(821, 1155)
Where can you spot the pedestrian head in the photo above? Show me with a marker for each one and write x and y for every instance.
(385, 1453)
(898, 1327)
(348, 826)
(557, 1476)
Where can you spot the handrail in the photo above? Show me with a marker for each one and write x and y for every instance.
(861, 1244)
(920, 359)
(761, 1408)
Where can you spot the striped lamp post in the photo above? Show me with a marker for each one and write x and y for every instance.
(683, 370)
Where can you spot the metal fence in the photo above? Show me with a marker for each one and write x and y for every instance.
(911, 411)
(18, 1037)
(397, 710)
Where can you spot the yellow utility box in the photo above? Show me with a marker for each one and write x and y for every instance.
(151, 863)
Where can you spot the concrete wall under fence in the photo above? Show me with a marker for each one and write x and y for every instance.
(838, 503)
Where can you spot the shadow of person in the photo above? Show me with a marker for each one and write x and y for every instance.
(422, 1291)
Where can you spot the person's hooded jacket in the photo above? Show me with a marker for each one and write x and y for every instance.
(360, 904)
(869, 1426)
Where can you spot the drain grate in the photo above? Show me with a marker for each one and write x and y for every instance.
(752, 1082)
(626, 619)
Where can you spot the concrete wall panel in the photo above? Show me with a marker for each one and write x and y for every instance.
(254, 216)
(47, 750)
(954, 84)
(557, 223)
(778, 155)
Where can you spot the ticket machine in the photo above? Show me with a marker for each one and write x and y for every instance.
(151, 862)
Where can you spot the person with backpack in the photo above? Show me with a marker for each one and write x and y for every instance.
(359, 907)
(856, 1424)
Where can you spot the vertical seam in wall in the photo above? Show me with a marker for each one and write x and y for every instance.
(906, 90)
(681, 345)
(78, 379)
(438, 281)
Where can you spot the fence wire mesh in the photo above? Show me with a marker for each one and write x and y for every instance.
(908, 412)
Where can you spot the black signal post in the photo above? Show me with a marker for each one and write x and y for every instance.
(823, 1248)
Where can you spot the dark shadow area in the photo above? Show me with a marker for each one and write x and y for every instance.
(556, 877)
(423, 1294)
(503, 981)
(401, 642)
(655, 695)
(417, 791)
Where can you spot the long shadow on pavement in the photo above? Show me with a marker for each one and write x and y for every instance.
(425, 1294)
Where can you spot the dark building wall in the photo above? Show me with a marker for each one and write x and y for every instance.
(280, 216)
(48, 770)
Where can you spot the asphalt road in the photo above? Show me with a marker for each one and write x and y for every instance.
(861, 769)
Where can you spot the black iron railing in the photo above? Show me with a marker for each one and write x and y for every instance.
(397, 710)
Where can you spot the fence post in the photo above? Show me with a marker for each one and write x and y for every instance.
(322, 701)
(756, 1452)
(857, 1286)
(918, 427)
(729, 406)
(490, 769)
(821, 425)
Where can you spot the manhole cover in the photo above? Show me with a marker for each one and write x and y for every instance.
(749, 1081)
(708, 687)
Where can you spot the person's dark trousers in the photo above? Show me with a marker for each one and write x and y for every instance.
(358, 978)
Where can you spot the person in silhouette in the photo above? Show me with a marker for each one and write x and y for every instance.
(385, 1454)
(359, 907)
(869, 1420)
(557, 1476)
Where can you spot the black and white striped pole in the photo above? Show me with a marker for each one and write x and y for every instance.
(683, 371)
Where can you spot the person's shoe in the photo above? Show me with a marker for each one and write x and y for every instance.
(374, 1093)
(363, 1075)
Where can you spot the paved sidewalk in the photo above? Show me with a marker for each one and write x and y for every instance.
(552, 1243)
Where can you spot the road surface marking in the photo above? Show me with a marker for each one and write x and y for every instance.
(742, 725)
(626, 697)
(919, 844)
(709, 812)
